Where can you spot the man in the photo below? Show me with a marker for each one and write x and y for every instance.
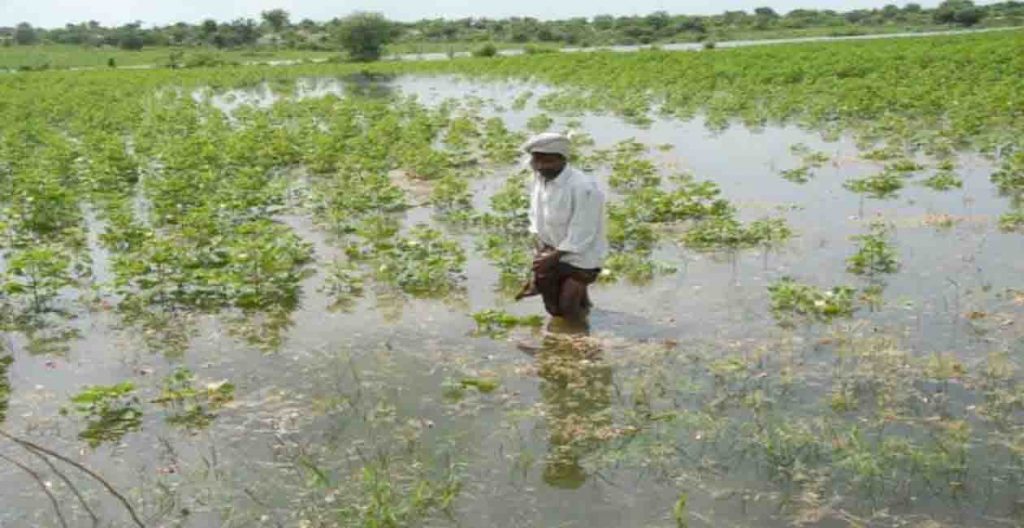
(567, 219)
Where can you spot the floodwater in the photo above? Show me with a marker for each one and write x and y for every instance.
(340, 378)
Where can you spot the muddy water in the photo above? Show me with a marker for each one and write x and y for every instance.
(241, 471)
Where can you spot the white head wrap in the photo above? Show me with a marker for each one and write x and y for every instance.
(548, 143)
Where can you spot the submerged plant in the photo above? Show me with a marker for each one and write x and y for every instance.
(344, 282)
(38, 273)
(1012, 220)
(423, 263)
(111, 411)
(882, 185)
(193, 408)
(5, 385)
(496, 323)
(875, 254)
(791, 300)
(943, 180)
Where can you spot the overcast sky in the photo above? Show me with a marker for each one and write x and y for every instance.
(56, 13)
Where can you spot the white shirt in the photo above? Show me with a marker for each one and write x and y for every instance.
(567, 213)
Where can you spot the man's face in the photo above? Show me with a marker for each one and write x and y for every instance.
(548, 165)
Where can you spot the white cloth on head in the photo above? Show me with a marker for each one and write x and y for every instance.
(567, 213)
(547, 142)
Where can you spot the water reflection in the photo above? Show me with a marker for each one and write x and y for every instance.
(576, 393)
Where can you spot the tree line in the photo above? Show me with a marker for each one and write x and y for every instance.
(363, 35)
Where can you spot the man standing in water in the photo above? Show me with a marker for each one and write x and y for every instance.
(567, 219)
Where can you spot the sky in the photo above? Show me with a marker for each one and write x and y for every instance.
(56, 13)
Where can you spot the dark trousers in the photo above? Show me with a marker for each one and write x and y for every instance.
(562, 298)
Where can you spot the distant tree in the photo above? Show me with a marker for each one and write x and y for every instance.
(25, 34)
(208, 30)
(132, 41)
(277, 19)
(604, 22)
(364, 35)
(912, 8)
(766, 12)
(962, 12)
(890, 11)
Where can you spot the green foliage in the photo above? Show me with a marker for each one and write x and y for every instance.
(510, 254)
(193, 408)
(450, 194)
(539, 123)
(943, 180)
(635, 267)
(1009, 179)
(38, 273)
(792, 300)
(423, 263)
(1012, 220)
(875, 254)
(486, 50)
(496, 323)
(882, 185)
(111, 411)
(344, 283)
(5, 385)
(725, 232)
(797, 175)
(364, 35)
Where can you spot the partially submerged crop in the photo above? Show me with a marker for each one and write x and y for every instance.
(496, 323)
(792, 300)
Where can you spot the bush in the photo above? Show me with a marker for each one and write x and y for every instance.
(487, 50)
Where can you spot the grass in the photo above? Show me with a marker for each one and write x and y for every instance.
(61, 56)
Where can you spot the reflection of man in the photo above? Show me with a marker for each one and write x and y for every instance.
(576, 391)
(567, 219)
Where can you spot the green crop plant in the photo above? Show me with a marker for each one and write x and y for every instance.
(943, 180)
(110, 411)
(423, 263)
(193, 408)
(875, 254)
(496, 323)
(38, 274)
(882, 185)
(792, 300)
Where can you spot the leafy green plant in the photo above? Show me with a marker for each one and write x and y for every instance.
(5, 386)
(496, 323)
(1012, 220)
(539, 123)
(193, 408)
(111, 411)
(38, 273)
(791, 300)
(344, 283)
(635, 266)
(797, 175)
(875, 254)
(943, 181)
(423, 263)
(725, 232)
(882, 185)
(450, 194)
(1009, 179)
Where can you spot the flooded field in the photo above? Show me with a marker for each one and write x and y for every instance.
(794, 328)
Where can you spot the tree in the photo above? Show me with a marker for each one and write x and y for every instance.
(277, 19)
(25, 34)
(962, 12)
(766, 12)
(364, 35)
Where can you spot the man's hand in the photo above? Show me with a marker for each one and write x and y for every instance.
(546, 260)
